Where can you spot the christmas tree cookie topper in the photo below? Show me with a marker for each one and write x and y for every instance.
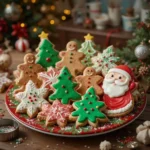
(43, 35)
(88, 110)
(64, 88)
(88, 37)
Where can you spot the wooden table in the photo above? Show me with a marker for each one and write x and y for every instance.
(39, 141)
(111, 36)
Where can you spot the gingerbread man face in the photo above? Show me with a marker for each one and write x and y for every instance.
(113, 76)
(71, 46)
(89, 71)
(29, 59)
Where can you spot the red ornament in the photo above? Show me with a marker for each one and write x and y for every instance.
(3, 26)
(19, 30)
(48, 59)
(22, 45)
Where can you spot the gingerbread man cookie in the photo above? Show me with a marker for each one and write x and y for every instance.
(28, 71)
(88, 79)
(71, 59)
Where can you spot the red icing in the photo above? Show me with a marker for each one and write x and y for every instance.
(117, 102)
(56, 111)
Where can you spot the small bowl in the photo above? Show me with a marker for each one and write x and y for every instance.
(7, 136)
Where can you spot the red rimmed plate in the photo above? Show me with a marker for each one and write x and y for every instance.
(70, 130)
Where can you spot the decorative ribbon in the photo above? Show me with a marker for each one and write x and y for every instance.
(108, 36)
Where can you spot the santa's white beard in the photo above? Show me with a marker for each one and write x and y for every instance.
(114, 90)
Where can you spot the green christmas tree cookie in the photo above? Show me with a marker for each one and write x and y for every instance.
(64, 88)
(47, 56)
(88, 110)
(88, 49)
(105, 61)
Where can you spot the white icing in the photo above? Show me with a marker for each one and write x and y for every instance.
(29, 107)
(108, 59)
(120, 110)
(49, 78)
(114, 90)
(126, 74)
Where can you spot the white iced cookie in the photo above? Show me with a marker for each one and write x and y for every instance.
(31, 100)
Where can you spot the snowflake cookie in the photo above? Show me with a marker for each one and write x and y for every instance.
(105, 60)
(55, 113)
(31, 100)
(4, 81)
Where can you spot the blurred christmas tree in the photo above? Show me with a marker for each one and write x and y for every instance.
(137, 52)
(32, 15)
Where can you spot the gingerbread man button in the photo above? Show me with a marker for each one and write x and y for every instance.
(29, 71)
(88, 79)
(71, 58)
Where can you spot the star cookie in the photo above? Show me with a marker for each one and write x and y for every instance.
(55, 113)
(31, 100)
(4, 81)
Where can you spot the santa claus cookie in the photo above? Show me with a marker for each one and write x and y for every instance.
(28, 71)
(4, 81)
(88, 110)
(31, 100)
(57, 113)
(118, 85)
(49, 77)
(71, 59)
(88, 79)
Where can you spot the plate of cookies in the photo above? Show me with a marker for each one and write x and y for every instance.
(74, 93)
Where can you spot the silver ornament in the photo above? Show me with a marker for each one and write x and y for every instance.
(12, 12)
(142, 51)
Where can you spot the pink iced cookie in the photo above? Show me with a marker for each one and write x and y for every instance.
(55, 113)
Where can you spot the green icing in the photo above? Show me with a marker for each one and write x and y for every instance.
(65, 88)
(88, 49)
(89, 107)
(47, 55)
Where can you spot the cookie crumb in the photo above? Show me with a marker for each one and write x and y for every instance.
(47, 146)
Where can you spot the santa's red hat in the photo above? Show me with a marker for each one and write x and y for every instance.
(124, 70)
